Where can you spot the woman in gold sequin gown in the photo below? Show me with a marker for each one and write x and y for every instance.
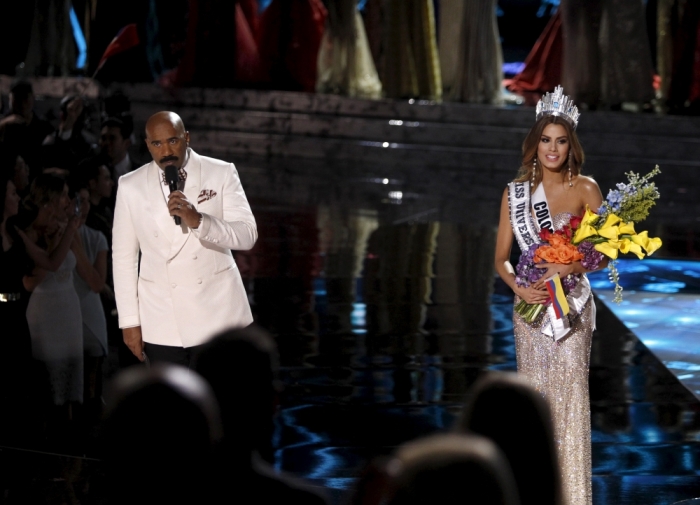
(552, 157)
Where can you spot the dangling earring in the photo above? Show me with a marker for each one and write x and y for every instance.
(571, 184)
(534, 169)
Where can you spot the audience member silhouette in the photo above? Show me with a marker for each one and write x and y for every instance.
(72, 142)
(15, 349)
(161, 427)
(98, 180)
(507, 410)
(12, 161)
(22, 126)
(115, 141)
(240, 365)
(446, 469)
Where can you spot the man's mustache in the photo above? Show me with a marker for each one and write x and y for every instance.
(169, 158)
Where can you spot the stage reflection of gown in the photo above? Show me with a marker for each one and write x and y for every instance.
(560, 372)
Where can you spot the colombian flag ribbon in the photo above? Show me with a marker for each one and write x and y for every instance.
(556, 293)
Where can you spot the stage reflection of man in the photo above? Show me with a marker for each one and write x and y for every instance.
(186, 286)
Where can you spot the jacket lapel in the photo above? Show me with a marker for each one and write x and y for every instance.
(191, 191)
(194, 177)
(155, 203)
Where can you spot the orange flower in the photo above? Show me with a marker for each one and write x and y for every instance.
(557, 240)
(560, 251)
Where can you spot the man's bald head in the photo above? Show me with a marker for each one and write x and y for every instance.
(164, 118)
(167, 139)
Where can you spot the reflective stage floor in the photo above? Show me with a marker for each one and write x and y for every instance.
(662, 307)
(354, 394)
(383, 329)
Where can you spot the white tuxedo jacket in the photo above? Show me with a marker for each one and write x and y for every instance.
(187, 286)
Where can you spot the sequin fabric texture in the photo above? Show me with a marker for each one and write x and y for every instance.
(560, 372)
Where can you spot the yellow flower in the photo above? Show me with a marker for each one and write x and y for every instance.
(609, 248)
(621, 237)
(627, 246)
(648, 244)
(586, 229)
(610, 230)
(627, 228)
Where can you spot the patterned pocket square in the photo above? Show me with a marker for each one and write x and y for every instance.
(206, 194)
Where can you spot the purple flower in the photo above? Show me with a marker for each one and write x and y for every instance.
(591, 258)
(569, 282)
(535, 275)
(527, 272)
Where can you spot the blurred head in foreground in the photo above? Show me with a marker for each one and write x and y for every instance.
(508, 410)
(161, 426)
(446, 469)
(240, 366)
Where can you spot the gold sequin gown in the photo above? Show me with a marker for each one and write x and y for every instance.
(560, 372)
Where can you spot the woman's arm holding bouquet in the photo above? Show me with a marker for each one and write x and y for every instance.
(504, 242)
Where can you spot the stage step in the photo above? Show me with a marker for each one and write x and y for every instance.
(458, 154)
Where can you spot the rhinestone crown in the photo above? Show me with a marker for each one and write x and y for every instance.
(558, 104)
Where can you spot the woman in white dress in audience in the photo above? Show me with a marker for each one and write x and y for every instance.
(53, 314)
(90, 250)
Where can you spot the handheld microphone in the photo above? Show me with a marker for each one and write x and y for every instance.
(172, 177)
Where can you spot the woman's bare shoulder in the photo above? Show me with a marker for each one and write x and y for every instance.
(506, 195)
(589, 192)
(587, 185)
(587, 182)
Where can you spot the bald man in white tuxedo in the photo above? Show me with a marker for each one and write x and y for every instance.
(186, 286)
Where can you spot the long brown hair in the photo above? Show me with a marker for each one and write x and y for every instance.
(532, 141)
(45, 189)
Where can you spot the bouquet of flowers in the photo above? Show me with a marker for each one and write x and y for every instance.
(590, 238)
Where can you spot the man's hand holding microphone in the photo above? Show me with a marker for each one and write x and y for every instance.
(178, 204)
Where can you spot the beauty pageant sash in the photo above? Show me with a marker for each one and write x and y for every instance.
(577, 298)
(520, 215)
(540, 207)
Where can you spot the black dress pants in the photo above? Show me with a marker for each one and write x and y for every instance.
(183, 356)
